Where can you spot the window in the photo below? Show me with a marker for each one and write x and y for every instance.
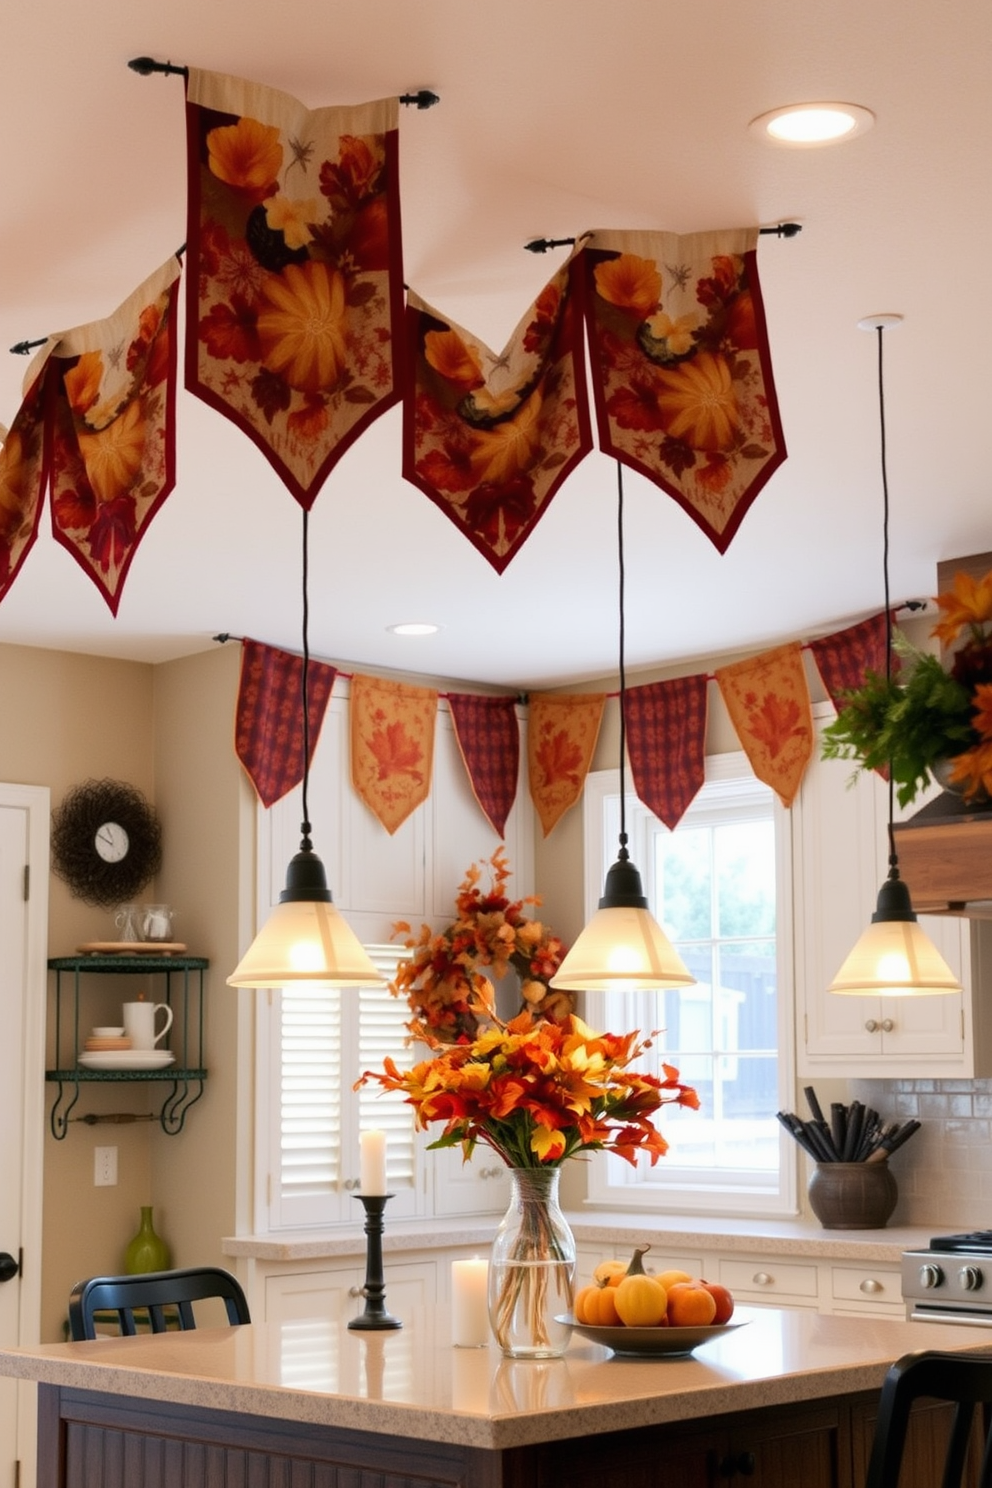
(719, 886)
(309, 1147)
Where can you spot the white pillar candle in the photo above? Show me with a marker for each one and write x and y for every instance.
(373, 1168)
(470, 1303)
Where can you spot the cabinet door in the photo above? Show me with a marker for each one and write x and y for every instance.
(786, 1450)
(479, 1186)
(926, 1444)
(334, 1294)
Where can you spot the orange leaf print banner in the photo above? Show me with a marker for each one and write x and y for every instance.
(560, 742)
(23, 475)
(681, 369)
(113, 428)
(767, 698)
(392, 746)
(295, 285)
(491, 438)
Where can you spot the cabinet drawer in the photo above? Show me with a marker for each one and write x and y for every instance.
(769, 1279)
(873, 1287)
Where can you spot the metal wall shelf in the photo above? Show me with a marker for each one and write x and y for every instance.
(184, 994)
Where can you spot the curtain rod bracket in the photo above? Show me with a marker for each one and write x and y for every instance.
(423, 98)
(147, 65)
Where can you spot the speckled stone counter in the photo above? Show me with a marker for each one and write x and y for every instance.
(412, 1384)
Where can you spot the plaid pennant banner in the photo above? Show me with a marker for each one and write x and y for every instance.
(681, 367)
(392, 746)
(268, 728)
(295, 286)
(491, 438)
(561, 739)
(666, 743)
(488, 738)
(767, 698)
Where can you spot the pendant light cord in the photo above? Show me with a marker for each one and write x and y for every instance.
(623, 854)
(306, 844)
(880, 331)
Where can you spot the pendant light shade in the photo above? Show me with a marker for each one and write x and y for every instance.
(305, 940)
(894, 957)
(623, 946)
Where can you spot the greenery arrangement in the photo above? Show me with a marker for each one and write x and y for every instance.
(928, 714)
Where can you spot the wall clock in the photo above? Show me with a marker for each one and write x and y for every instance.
(106, 842)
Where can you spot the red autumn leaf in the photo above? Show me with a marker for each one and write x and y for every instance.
(775, 723)
(446, 470)
(231, 331)
(515, 502)
(270, 393)
(113, 532)
(635, 406)
(559, 759)
(74, 510)
(395, 752)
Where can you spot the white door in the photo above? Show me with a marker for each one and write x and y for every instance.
(24, 817)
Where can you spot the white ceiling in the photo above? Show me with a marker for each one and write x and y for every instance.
(555, 116)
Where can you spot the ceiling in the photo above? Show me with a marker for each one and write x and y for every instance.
(554, 117)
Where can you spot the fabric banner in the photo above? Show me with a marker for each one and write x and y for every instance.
(681, 370)
(767, 698)
(491, 438)
(560, 742)
(666, 742)
(112, 413)
(842, 659)
(295, 287)
(268, 727)
(392, 746)
(488, 738)
(23, 476)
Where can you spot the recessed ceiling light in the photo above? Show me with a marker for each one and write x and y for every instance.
(414, 628)
(805, 124)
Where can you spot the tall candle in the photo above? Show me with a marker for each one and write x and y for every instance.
(470, 1303)
(372, 1145)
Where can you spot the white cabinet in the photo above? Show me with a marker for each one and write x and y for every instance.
(479, 1186)
(840, 857)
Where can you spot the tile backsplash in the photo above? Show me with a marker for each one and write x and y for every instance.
(944, 1172)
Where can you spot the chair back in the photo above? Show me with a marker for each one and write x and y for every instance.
(963, 1379)
(152, 1292)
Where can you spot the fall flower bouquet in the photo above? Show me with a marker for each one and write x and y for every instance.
(537, 1093)
(930, 718)
(442, 979)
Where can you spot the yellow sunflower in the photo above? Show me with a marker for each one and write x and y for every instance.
(303, 325)
(698, 404)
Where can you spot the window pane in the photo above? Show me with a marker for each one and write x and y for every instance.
(745, 857)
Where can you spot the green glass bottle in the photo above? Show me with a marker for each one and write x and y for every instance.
(147, 1251)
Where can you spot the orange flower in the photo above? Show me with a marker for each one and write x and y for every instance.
(629, 282)
(447, 353)
(82, 382)
(113, 456)
(973, 770)
(246, 155)
(698, 404)
(303, 325)
(969, 602)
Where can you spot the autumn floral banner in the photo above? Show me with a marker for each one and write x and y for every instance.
(392, 746)
(561, 739)
(112, 386)
(767, 698)
(488, 736)
(295, 288)
(23, 475)
(268, 727)
(490, 438)
(681, 368)
(665, 724)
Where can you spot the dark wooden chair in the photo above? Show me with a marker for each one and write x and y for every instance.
(965, 1380)
(152, 1292)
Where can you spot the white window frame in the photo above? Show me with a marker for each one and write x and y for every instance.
(611, 1181)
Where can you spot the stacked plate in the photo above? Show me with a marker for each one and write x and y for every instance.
(110, 1049)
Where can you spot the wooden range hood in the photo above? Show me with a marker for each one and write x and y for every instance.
(945, 857)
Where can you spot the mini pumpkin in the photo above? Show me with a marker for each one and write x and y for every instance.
(642, 1302)
(597, 1306)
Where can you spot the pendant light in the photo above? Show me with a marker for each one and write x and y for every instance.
(893, 958)
(623, 946)
(305, 939)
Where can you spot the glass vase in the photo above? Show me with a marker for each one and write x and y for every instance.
(146, 1251)
(532, 1269)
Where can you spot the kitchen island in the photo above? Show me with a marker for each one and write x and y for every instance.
(787, 1397)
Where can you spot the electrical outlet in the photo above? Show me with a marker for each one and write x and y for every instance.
(104, 1166)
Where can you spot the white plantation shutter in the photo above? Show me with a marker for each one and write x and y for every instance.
(321, 1041)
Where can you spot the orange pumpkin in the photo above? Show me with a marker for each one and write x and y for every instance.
(597, 1306)
(609, 1273)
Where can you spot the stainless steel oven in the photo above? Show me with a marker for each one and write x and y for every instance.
(950, 1281)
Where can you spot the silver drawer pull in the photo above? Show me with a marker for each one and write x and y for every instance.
(762, 1278)
(871, 1287)
(350, 1184)
(356, 1291)
(871, 1025)
(887, 1025)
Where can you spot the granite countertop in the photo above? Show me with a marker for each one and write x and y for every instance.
(412, 1383)
(764, 1237)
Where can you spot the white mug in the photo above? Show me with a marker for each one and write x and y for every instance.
(139, 1023)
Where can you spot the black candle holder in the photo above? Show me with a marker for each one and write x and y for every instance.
(374, 1290)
